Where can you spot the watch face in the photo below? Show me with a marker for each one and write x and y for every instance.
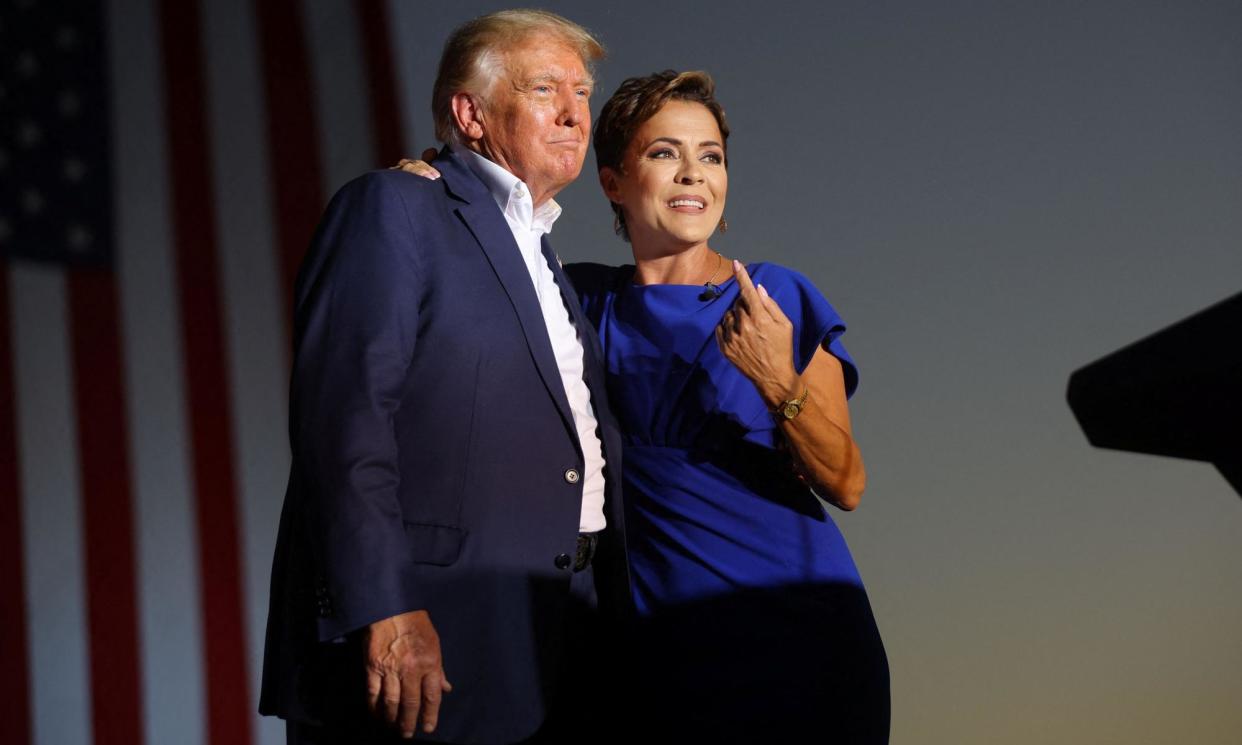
(791, 410)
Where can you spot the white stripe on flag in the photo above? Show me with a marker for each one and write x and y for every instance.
(51, 508)
(170, 613)
(168, 580)
(253, 296)
(334, 47)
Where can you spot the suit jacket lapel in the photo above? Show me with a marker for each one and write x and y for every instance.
(593, 362)
(485, 221)
(590, 340)
(610, 435)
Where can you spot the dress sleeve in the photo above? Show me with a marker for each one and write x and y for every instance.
(816, 323)
(591, 283)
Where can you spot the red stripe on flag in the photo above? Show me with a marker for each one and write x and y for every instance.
(15, 672)
(107, 508)
(229, 705)
(385, 113)
(292, 134)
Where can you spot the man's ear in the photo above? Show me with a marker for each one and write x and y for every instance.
(608, 182)
(468, 114)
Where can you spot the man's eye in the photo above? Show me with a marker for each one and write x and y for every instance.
(543, 89)
(583, 93)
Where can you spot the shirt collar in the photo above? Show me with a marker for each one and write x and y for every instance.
(511, 195)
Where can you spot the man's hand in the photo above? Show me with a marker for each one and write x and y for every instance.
(405, 674)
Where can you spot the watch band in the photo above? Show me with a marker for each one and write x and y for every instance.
(792, 407)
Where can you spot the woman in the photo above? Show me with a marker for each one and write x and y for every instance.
(730, 385)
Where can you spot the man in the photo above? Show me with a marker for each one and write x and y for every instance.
(454, 493)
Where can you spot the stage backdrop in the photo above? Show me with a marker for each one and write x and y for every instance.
(991, 193)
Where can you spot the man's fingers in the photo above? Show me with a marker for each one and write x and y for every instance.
(411, 699)
(375, 684)
(433, 689)
(391, 696)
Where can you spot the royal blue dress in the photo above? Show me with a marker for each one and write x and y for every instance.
(751, 607)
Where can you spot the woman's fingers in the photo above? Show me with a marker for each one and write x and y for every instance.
(418, 168)
(746, 288)
(771, 306)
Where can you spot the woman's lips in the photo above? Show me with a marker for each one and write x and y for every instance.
(687, 203)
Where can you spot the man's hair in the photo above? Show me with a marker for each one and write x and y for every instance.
(639, 99)
(473, 56)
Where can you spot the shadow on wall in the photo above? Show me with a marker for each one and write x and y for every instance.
(1176, 393)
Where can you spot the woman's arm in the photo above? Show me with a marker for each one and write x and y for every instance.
(820, 437)
(757, 337)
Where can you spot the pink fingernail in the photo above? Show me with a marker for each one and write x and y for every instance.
(763, 291)
(736, 265)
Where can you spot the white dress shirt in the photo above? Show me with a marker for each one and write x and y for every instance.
(529, 224)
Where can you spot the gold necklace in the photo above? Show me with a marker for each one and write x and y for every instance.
(711, 290)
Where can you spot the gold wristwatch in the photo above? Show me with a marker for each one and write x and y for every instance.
(793, 407)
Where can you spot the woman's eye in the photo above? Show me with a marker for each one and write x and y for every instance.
(713, 158)
(663, 153)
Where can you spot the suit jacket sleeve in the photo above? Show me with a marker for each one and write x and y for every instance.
(357, 318)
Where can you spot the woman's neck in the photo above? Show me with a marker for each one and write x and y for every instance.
(691, 266)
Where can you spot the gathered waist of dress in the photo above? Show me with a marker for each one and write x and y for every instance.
(702, 450)
(634, 446)
(740, 463)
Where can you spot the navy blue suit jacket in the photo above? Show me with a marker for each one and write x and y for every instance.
(431, 442)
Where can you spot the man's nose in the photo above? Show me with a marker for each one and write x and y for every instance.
(572, 111)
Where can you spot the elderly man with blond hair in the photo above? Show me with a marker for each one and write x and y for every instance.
(453, 510)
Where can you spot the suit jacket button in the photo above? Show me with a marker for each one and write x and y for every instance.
(572, 476)
(563, 561)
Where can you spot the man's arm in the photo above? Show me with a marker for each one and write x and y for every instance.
(357, 321)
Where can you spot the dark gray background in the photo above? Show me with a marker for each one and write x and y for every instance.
(993, 195)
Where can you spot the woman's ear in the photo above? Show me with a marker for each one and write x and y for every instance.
(468, 115)
(608, 181)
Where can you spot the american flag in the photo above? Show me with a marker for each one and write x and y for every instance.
(162, 165)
